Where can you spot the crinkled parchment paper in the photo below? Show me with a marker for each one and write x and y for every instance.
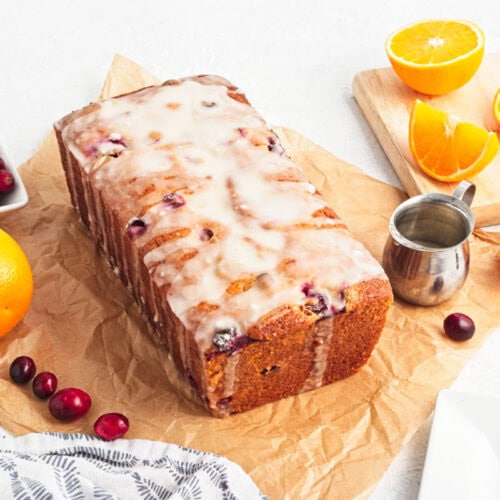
(334, 442)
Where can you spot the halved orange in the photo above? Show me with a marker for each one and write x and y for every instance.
(436, 56)
(447, 148)
(496, 106)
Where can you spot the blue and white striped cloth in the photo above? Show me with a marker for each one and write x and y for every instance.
(79, 466)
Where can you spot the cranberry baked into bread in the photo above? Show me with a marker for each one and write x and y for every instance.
(249, 277)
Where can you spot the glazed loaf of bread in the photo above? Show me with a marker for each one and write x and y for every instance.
(251, 280)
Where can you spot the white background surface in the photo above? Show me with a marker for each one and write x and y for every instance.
(295, 60)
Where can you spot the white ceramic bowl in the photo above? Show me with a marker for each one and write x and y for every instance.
(18, 197)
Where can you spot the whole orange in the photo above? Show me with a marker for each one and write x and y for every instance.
(16, 283)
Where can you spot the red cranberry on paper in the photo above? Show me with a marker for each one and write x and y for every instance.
(22, 370)
(459, 327)
(69, 404)
(111, 426)
(44, 385)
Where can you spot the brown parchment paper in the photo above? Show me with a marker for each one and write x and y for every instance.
(334, 442)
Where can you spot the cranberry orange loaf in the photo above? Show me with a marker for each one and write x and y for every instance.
(242, 268)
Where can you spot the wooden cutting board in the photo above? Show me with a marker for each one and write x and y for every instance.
(386, 103)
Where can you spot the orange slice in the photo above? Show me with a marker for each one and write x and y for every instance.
(447, 148)
(496, 106)
(436, 56)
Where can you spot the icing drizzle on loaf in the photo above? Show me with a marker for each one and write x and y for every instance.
(227, 225)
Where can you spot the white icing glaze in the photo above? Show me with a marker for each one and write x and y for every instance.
(217, 158)
(323, 333)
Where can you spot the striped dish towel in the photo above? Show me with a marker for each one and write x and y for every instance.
(79, 466)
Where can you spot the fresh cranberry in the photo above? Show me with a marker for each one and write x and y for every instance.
(111, 426)
(7, 181)
(44, 385)
(136, 227)
(69, 404)
(2, 164)
(459, 327)
(22, 369)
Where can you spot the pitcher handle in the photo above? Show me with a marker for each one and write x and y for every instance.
(465, 191)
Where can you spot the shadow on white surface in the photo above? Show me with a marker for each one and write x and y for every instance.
(463, 455)
(480, 379)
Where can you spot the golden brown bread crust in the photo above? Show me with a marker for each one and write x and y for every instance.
(279, 363)
(289, 350)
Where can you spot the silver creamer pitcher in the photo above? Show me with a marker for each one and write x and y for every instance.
(426, 256)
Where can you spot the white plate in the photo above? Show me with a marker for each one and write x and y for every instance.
(18, 197)
(463, 455)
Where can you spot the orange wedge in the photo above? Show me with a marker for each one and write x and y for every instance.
(447, 148)
(436, 56)
(496, 106)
